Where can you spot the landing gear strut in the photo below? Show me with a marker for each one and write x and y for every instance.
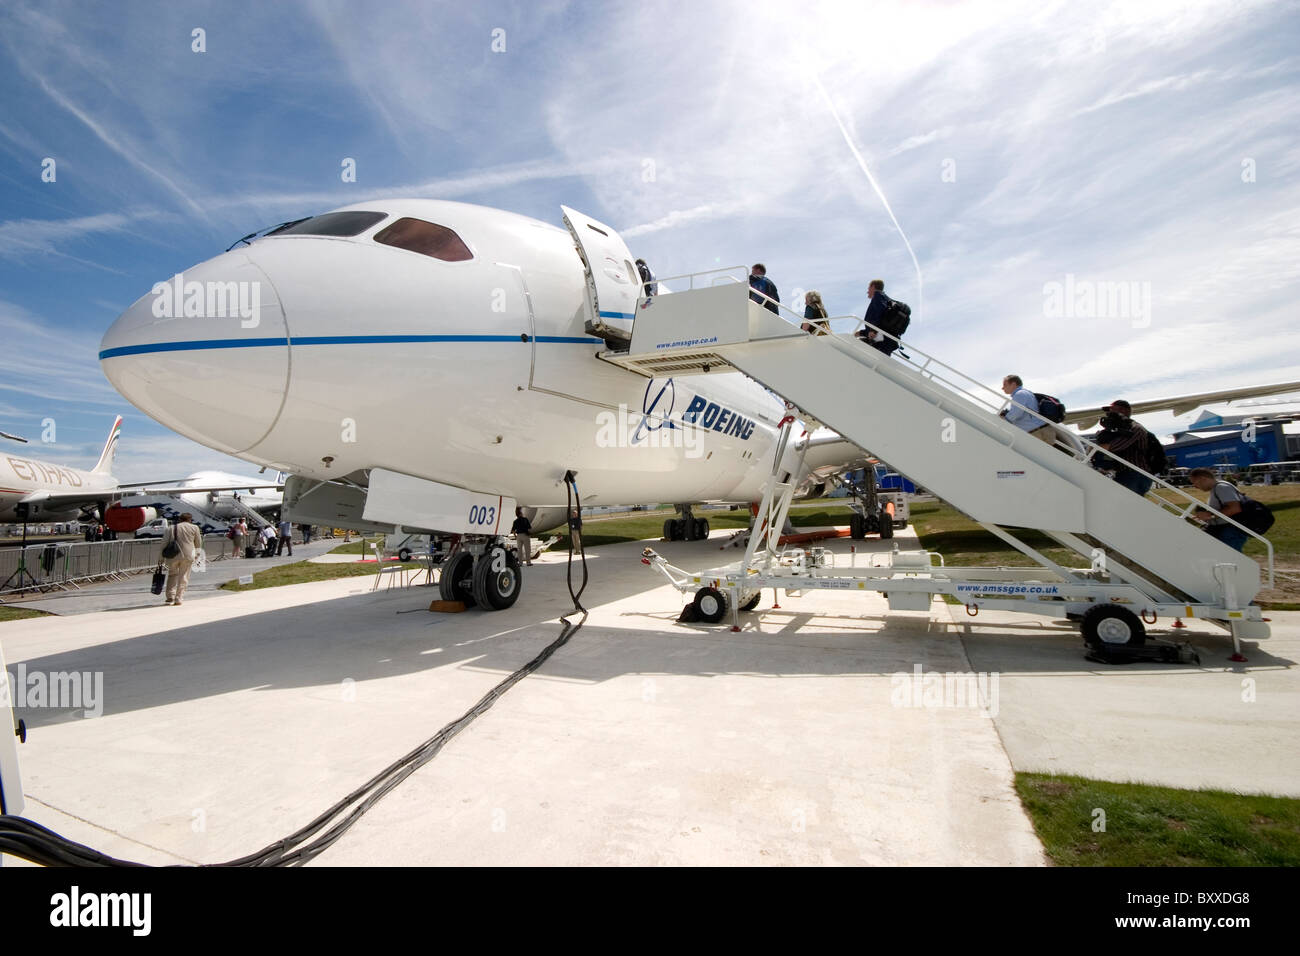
(497, 579)
(875, 514)
(687, 527)
(482, 572)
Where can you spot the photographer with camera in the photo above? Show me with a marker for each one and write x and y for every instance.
(1127, 443)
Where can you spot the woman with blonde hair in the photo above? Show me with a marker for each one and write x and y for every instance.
(815, 315)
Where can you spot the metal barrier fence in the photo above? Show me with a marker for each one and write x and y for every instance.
(61, 565)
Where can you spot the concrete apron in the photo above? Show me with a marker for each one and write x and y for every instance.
(229, 723)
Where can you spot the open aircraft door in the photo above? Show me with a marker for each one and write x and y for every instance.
(613, 284)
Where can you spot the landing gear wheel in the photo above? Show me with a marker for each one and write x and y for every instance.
(701, 528)
(497, 579)
(886, 525)
(710, 605)
(457, 580)
(856, 529)
(1112, 625)
(670, 529)
(752, 602)
(404, 554)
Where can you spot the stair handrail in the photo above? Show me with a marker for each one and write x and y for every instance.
(1084, 449)
(1078, 442)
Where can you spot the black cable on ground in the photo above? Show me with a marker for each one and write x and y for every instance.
(29, 840)
(572, 498)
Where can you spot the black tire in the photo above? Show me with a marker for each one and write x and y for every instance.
(701, 528)
(886, 525)
(456, 583)
(496, 590)
(1110, 624)
(752, 602)
(404, 554)
(710, 605)
(668, 530)
(856, 529)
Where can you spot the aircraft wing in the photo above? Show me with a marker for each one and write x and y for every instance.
(69, 498)
(1182, 404)
(72, 498)
(828, 453)
(173, 488)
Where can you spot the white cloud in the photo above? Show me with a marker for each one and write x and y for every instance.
(23, 237)
(682, 217)
(1165, 84)
(117, 142)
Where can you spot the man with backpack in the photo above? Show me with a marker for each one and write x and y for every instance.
(1025, 410)
(886, 314)
(1224, 497)
(764, 293)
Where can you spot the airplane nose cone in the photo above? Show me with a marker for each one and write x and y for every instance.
(204, 353)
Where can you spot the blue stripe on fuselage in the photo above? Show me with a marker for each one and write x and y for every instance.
(198, 345)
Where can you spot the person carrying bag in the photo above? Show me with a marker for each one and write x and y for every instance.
(183, 543)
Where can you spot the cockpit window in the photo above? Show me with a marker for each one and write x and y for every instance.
(331, 224)
(426, 238)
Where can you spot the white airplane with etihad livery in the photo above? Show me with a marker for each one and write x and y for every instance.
(429, 365)
(34, 490)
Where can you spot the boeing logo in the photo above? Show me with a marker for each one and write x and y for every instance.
(718, 418)
(657, 414)
(659, 407)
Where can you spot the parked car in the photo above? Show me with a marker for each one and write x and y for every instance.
(1270, 473)
(154, 529)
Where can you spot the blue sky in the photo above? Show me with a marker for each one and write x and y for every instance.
(1017, 144)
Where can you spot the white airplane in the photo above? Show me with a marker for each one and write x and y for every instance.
(34, 490)
(41, 490)
(492, 323)
(232, 493)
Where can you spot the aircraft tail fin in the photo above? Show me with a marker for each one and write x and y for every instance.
(105, 464)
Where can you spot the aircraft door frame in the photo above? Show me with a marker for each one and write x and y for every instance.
(531, 317)
(613, 284)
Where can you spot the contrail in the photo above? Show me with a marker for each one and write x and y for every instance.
(862, 163)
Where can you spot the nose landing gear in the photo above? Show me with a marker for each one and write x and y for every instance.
(483, 573)
(497, 579)
(687, 527)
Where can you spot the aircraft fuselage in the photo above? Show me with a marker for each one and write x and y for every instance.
(475, 373)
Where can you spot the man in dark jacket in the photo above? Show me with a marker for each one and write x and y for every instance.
(1126, 442)
(763, 286)
(877, 305)
(648, 284)
(522, 529)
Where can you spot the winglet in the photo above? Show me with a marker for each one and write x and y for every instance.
(105, 464)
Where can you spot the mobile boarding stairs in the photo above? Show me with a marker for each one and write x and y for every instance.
(942, 429)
